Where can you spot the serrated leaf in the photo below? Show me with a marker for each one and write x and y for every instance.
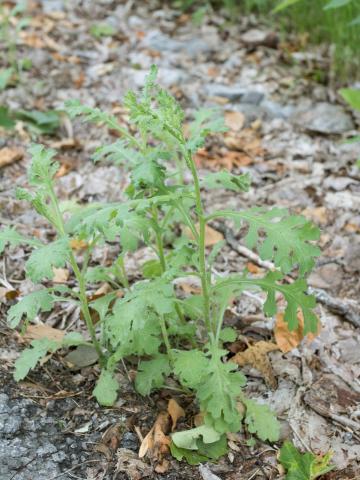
(261, 421)
(42, 260)
(218, 392)
(134, 326)
(151, 374)
(106, 389)
(228, 334)
(189, 366)
(192, 457)
(303, 466)
(30, 306)
(30, 357)
(295, 295)
(224, 179)
(11, 236)
(42, 168)
(287, 237)
(206, 122)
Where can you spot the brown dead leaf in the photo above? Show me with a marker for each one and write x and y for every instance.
(39, 331)
(156, 443)
(234, 120)
(77, 244)
(212, 236)
(253, 268)
(287, 340)
(10, 155)
(175, 412)
(61, 275)
(133, 467)
(318, 215)
(256, 356)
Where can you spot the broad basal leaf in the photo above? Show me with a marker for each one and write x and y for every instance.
(134, 326)
(218, 392)
(30, 306)
(30, 357)
(106, 388)
(261, 421)
(151, 374)
(42, 260)
(188, 438)
(305, 466)
(189, 366)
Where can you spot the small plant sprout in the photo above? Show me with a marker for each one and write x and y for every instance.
(172, 335)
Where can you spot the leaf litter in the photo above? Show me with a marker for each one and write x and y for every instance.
(243, 148)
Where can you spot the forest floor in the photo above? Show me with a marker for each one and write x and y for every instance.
(287, 129)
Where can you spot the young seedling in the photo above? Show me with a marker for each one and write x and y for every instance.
(171, 335)
(8, 39)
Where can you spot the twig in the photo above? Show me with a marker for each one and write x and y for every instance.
(348, 309)
(74, 468)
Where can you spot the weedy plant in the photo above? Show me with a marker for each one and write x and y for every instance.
(172, 335)
(352, 97)
(8, 39)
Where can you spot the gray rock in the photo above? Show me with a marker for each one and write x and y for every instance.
(130, 441)
(324, 118)
(252, 97)
(163, 43)
(231, 92)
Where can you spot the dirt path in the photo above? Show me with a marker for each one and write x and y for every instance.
(286, 129)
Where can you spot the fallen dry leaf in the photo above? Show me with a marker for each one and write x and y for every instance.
(256, 356)
(156, 443)
(287, 340)
(77, 244)
(133, 467)
(318, 215)
(175, 412)
(61, 275)
(234, 120)
(10, 155)
(212, 236)
(36, 332)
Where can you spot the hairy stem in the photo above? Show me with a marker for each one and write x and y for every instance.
(201, 242)
(80, 277)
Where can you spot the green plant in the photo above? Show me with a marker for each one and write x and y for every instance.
(8, 39)
(352, 97)
(305, 466)
(171, 334)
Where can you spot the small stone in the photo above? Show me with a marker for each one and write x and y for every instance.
(130, 441)
(232, 93)
(324, 118)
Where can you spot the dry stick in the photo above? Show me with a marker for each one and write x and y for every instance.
(349, 309)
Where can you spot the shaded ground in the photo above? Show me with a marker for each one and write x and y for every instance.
(286, 130)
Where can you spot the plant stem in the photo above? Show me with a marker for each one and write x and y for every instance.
(201, 241)
(165, 336)
(78, 275)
